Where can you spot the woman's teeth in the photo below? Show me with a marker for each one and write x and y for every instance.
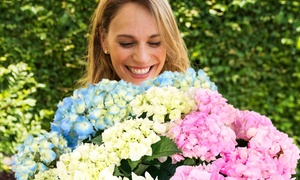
(139, 71)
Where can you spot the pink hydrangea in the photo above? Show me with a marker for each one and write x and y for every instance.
(271, 142)
(203, 136)
(212, 132)
(206, 133)
(201, 172)
(263, 137)
(248, 163)
(212, 102)
(247, 121)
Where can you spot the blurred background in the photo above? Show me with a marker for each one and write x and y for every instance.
(249, 48)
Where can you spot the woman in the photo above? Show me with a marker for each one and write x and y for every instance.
(134, 40)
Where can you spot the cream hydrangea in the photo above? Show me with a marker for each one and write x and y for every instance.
(162, 103)
(107, 174)
(86, 162)
(130, 139)
(133, 138)
(50, 174)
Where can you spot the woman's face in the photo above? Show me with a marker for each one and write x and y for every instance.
(134, 44)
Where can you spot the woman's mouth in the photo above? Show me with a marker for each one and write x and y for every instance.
(139, 71)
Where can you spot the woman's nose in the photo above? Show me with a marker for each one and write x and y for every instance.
(142, 54)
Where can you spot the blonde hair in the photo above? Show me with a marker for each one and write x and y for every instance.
(99, 64)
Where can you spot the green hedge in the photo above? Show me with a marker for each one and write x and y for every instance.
(250, 48)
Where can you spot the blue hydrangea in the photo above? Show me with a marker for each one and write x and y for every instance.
(83, 127)
(37, 154)
(94, 108)
(181, 80)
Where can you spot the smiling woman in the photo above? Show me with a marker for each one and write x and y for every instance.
(134, 40)
(134, 47)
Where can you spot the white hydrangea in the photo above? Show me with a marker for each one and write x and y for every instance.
(107, 174)
(162, 104)
(85, 162)
(132, 138)
(50, 174)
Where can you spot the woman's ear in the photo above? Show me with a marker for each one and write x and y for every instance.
(103, 42)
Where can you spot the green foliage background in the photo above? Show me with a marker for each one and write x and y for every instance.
(249, 48)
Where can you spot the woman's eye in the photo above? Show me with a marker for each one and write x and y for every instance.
(154, 44)
(126, 44)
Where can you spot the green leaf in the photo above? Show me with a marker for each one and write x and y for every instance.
(97, 140)
(133, 164)
(117, 172)
(192, 162)
(167, 169)
(125, 168)
(141, 169)
(164, 147)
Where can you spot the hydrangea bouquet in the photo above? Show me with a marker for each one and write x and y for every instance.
(176, 126)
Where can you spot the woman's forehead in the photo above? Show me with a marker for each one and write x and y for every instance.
(134, 19)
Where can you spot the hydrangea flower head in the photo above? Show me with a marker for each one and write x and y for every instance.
(85, 162)
(249, 163)
(37, 154)
(206, 132)
(131, 139)
(247, 121)
(181, 80)
(93, 108)
(49, 174)
(107, 174)
(162, 104)
(212, 102)
(200, 172)
(276, 146)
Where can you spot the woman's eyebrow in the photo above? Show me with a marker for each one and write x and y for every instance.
(125, 35)
(132, 37)
(154, 36)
